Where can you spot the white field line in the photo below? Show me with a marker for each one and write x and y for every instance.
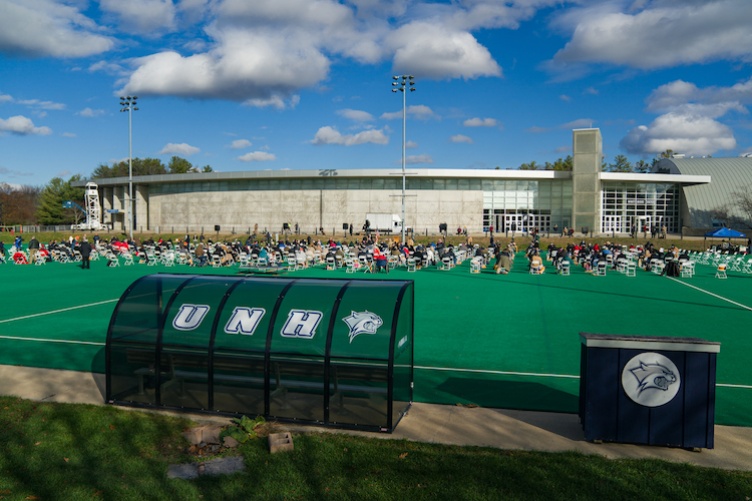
(711, 294)
(501, 373)
(39, 340)
(534, 374)
(53, 312)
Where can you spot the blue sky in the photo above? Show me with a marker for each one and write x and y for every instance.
(306, 84)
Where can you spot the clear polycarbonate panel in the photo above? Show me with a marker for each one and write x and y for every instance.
(332, 352)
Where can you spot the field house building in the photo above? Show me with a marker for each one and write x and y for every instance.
(682, 194)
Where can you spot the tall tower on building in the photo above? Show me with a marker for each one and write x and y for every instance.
(586, 185)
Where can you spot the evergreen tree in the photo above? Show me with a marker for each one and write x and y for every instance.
(50, 209)
(179, 165)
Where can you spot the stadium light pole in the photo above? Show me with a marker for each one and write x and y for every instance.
(128, 104)
(402, 83)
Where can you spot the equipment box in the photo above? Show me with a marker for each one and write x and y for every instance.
(648, 390)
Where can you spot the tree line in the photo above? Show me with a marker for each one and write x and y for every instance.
(30, 205)
(620, 164)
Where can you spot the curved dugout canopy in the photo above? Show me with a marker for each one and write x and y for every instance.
(330, 352)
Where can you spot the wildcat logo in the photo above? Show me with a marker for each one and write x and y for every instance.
(650, 379)
(653, 376)
(362, 322)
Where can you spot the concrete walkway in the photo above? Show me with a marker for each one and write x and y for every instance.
(443, 424)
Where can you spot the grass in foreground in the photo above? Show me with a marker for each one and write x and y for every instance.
(78, 452)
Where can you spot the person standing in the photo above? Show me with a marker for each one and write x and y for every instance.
(85, 250)
(33, 249)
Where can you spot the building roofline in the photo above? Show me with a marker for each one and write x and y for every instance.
(683, 179)
(344, 173)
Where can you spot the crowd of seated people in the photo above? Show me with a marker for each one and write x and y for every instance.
(384, 254)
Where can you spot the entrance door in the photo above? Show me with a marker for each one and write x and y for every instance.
(611, 224)
(513, 223)
(643, 224)
(668, 222)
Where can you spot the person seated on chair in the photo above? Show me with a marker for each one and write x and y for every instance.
(537, 263)
(503, 262)
(418, 255)
(380, 259)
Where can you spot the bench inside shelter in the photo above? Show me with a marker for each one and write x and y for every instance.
(353, 370)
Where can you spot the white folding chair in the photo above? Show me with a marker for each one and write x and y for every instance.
(747, 268)
(475, 265)
(631, 269)
(688, 269)
(720, 272)
(112, 260)
(365, 264)
(600, 270)
(565, 268)
(411, 266)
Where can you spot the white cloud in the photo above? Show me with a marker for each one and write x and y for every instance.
(265, 51)
(330, 135)
(461, 138)
(261, 69)
(437, 51)
(47, 28)
(90, 113)
(22, 126)
(239, 144)
(418, 159)
(355, 115)
(42, 105)
(657, 34)
(6, 98)
(690, 119)
(480, 122)
(107, 67)
(419, 111)
(678, 92)
(179, 149)
(142, 16)
(257, 156)
(681, 132)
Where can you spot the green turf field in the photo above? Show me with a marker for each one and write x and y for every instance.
(492, 340)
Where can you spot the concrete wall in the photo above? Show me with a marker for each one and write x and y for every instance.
(240, 211)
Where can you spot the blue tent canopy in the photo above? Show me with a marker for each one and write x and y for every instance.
(725, 233)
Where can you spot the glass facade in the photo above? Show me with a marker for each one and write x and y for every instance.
(642, 205)
(521, 205)
(323, 183)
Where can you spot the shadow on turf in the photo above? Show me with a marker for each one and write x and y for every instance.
(517, 395)
(614, 293)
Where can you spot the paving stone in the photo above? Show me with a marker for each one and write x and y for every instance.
(223, 466)
(183, 471)
(219, 466)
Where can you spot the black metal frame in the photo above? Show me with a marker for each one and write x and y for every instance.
(116, 345)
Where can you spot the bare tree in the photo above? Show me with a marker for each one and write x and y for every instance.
(18, 204)
(743, 200)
